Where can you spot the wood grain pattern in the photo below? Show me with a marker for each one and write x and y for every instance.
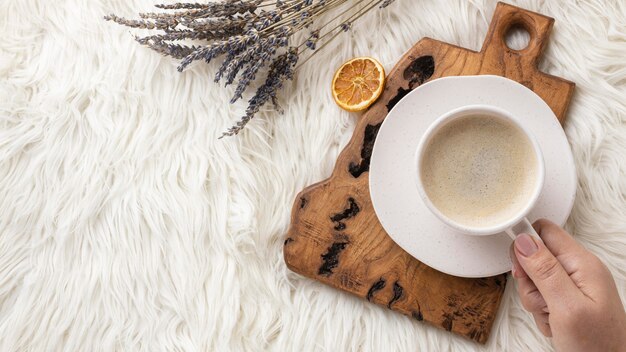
(335, 236)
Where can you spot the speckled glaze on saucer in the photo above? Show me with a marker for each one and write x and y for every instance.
(392, 181)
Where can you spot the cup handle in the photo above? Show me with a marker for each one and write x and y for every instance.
(524, 226)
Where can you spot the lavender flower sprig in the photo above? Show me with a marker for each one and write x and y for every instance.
(249, 35)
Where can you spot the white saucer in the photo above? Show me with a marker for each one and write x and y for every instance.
(392, 182)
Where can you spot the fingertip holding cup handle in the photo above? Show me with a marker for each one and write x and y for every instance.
(524, 226)
(513, 226)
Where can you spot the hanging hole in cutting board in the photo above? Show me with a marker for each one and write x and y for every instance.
(517, 37)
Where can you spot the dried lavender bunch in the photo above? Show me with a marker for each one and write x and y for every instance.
(250, 36)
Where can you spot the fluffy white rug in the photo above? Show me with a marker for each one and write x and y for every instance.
(126, 225)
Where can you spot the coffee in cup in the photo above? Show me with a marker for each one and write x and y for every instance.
(479, 170)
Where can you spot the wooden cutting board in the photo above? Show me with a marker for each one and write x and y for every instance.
(335, 236)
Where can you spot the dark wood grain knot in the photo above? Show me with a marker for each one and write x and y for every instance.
(500, 282)
(350, 211)
(417, 315)
(418, 72)
(448, 319)
(369, 137)
(303, 202)
(377, 286)
(340, 226)
(397, 294)
(330, 259)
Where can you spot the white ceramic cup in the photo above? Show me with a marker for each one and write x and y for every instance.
(515, 224)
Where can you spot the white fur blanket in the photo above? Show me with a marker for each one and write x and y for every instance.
(125, 224)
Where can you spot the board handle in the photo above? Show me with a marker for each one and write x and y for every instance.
(507, 17)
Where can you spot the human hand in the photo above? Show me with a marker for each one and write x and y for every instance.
(569, 291)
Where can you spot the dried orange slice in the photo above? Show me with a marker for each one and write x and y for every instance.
(358, 83)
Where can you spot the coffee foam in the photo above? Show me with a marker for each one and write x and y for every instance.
(479, 170)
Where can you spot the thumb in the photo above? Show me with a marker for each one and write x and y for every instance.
(544, 269)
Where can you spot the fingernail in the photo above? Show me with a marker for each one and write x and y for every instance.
(516, 272)
(525, 245)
